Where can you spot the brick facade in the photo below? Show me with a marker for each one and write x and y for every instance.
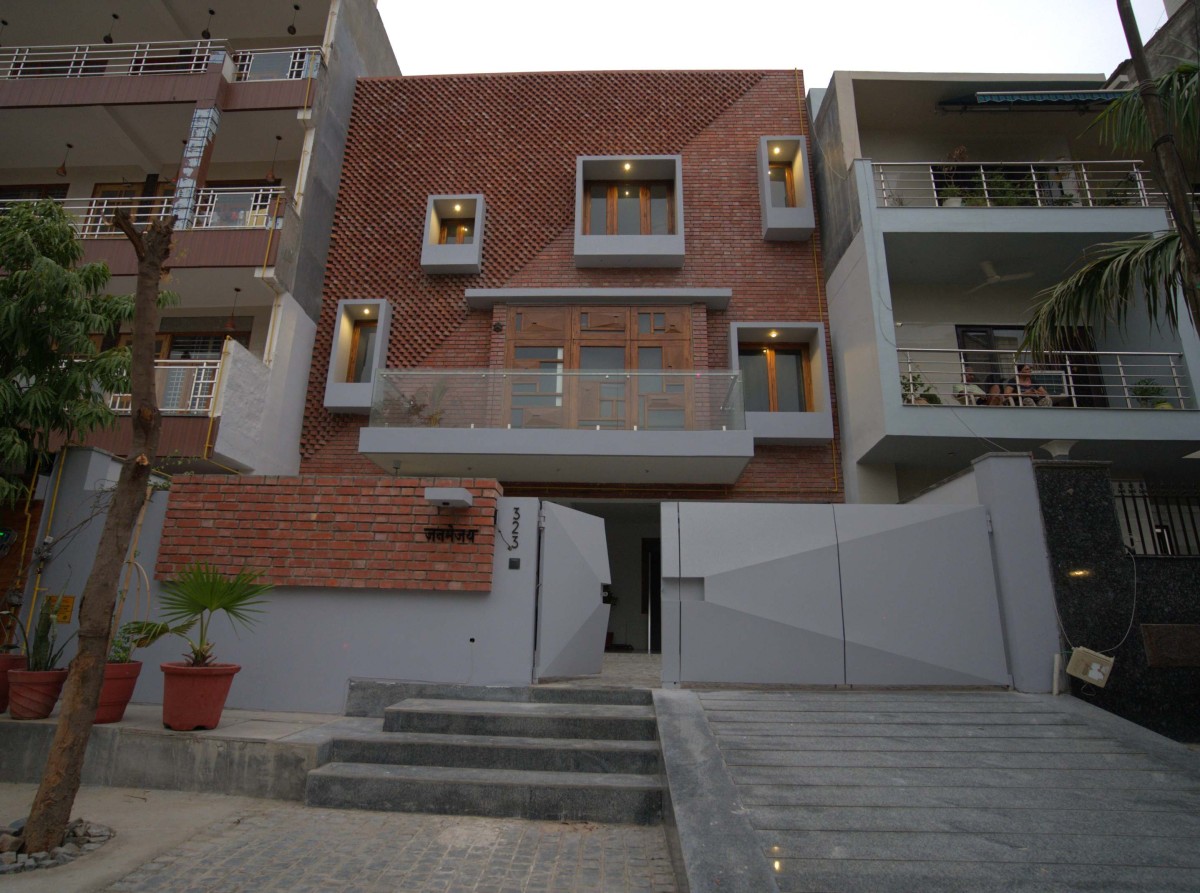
(331, 531)
(514, 138)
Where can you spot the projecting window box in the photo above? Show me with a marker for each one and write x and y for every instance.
(629, 211)
(453, 238)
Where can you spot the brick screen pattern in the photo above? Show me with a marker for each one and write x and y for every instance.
(332, 531)
(515, 138)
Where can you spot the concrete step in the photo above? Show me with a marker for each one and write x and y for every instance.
(369, 697)
(575, 796)
(499, 752)
(530, 720)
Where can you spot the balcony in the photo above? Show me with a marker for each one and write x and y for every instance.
(227, 208)
(1069, 379)
(187, 394)
(1026, 184)
(183, 387)
(160, 57)
(559, 425)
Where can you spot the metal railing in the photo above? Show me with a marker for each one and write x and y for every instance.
(216, 208)
(277, 64)
(1066, 379)
(1025, 184)
(107, 60)
(558, 399)
(236, 208)
(183, 387)
(1157, 520)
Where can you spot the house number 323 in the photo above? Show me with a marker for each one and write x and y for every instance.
(516, 529)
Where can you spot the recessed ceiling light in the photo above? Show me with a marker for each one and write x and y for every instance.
(366, 311)
(628, 166)
(1079, 572)
(777, 150)
(772, 334)
(458, 207)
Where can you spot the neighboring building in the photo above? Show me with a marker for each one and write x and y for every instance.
(601, 288)
(947, 202)
(233, 121)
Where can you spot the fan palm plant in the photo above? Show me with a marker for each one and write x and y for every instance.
(1102, 290)
(193, 598)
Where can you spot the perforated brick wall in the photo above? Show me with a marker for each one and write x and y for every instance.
(515, 138)
(332, 531)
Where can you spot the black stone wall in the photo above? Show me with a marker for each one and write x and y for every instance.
(1083, 535)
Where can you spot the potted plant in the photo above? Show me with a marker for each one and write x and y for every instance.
(10, 657)
(916, 391)
(194, 690)
(33, 691)
(121, 671)
(1149, 393)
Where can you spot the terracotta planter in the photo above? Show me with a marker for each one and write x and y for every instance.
(32, 694)
(119, 681)
(193, 697)
(8, 662)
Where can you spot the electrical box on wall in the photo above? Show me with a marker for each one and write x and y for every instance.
(1090, 666)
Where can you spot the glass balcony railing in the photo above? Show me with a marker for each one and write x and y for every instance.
(558, 399)
(1069, 379)
(1024, 184)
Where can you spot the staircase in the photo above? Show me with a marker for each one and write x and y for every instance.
(543, 753)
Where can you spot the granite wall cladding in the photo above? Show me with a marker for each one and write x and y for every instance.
(1096, 602)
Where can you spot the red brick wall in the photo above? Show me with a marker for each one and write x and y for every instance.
(344, 532)
(515, 138)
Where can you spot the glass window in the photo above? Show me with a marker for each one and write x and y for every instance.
(783, 190)
(361, 349)
(772, 379)
(629, 209)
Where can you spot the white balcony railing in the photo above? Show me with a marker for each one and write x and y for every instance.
(162, 57)
(1025, 184)
(277, 64)
(560, 399)
(107, 60)
(1070, 379)
(224, 208)
(235, 208)
(184, 387)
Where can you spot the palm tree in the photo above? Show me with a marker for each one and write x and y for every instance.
(1162, 116)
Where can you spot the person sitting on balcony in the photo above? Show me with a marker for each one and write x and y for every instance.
(969, 393)
(1025, 391)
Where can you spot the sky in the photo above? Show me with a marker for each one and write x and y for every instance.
(817, 36)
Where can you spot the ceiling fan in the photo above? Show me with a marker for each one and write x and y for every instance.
(991, 277)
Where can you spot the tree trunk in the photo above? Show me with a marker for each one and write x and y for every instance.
(51, 810)
(1167, 161)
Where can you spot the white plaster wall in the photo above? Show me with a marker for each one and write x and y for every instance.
(856, 354)
(261, 406)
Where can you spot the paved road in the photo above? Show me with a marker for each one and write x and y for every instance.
(239, 845)
(923, 792)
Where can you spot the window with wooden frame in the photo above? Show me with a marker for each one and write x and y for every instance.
(783, 185)
(774, 378)
(629, 208)
(457, 231)
(362, 343)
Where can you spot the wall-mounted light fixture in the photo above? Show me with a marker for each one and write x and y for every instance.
(107, 38)
(291, 29)
(206, 33)
(61, 170)
(449, 497)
